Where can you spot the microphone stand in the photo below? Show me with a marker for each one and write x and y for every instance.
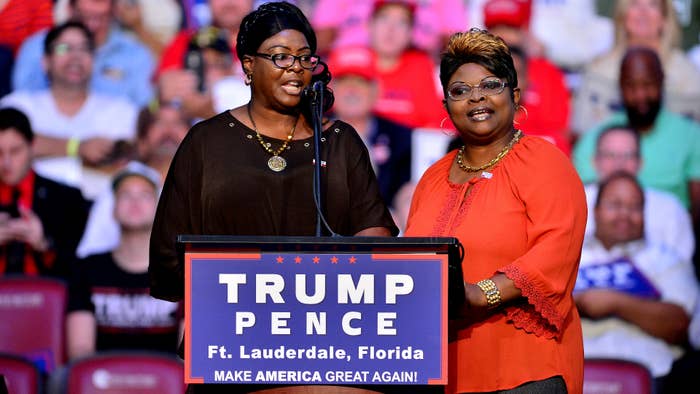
(317, 112)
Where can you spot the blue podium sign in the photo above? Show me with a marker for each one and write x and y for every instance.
(262, 317)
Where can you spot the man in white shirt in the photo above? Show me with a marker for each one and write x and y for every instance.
(74, 125)
(666, 220)
(635, 297)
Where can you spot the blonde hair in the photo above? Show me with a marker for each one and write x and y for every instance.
(670, 32)
(480, 47)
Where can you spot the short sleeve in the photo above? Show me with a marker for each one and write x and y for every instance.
(79, 293)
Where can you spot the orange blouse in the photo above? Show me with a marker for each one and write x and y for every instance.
(527, 221)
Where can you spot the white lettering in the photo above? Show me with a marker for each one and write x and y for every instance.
(363, 290)
(316, 322)
(385, 323)
(347, 328)
(269, 284)
(232, 281)
(319, 287)
(244, 320)
(278, 325)
(397, 285)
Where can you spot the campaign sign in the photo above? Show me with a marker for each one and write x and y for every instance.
(305, 318)
(620, 274)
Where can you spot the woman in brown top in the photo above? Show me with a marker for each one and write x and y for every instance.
(249, 170)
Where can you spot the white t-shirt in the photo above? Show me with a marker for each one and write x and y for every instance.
(101, 116)
(102, 231)
(666, 221)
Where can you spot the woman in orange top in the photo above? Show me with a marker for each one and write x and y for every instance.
(518, 207)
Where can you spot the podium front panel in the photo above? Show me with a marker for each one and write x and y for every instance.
(285, 310)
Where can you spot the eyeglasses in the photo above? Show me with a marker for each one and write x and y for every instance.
(618, 206)
(618, 156)
(286, 60)
(65, 48)
(488, 87)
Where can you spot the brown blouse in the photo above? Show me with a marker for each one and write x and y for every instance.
(219, 184)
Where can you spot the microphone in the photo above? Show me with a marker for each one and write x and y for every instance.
(314, 94)
(313, 91)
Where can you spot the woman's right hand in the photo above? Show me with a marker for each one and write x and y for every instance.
(474, 310)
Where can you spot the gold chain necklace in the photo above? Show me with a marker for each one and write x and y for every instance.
(495, 160)
(276, 163)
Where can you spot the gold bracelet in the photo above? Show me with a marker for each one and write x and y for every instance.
(72, 147)
(493, 295)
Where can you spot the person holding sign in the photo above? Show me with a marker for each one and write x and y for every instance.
(635, 296)
(518, 207)
(249, 170)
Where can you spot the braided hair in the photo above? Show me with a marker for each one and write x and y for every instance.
(270, 19)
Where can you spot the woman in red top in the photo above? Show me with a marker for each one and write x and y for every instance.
(518, 207)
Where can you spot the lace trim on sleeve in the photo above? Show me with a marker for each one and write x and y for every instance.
(538, 316)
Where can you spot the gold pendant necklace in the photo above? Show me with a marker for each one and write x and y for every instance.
(493, 161)
(276, 163)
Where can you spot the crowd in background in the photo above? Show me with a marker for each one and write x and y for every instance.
(96, 95)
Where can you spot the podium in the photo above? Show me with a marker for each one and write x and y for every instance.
(368, 314)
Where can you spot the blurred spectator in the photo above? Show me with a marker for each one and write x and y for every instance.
(160, 131)
(193, 64)
(6, 64)
(571, 31)
(684, 372)
(648, 23)
(196, 13)
(122, 64)
(408, 92)
(694, 54)
(389, 143)
(670, 142)
(342, 23)
(209, 84)
(556, 26)
(74, 124)
(109, 306)
(41, 221)
(666, 221)
(20, 19)
(694, 329)
(635, 297)
(510, 20)
(544, 100)
(153, 22)
(401, 205)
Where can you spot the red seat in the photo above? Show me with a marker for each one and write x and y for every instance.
(33, 310)
(615, 376)
(125, 372)
(21, 375)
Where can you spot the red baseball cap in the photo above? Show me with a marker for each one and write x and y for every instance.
(354, 60)
(515, 13)
(410, 4)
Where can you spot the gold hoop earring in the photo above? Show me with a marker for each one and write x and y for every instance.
(449, 133)
(522, 107)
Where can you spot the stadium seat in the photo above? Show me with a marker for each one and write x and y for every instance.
(615, 376)
(124, 372)
(34, 309)
(21, 374)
